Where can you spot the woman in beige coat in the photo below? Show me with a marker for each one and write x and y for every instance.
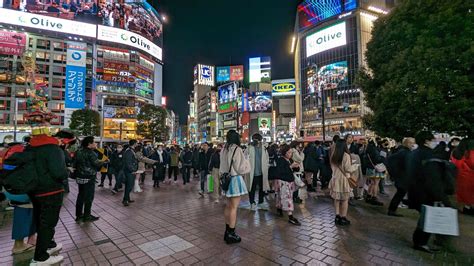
(142, 160)
(342, 169)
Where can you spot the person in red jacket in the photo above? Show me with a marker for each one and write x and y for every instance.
(463, 158)
(47, 198)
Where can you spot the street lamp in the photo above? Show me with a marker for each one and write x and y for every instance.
(321, 98)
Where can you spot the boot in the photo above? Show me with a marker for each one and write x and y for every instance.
(226, 234)
(337, 220)
(344, 221)
(232, 237)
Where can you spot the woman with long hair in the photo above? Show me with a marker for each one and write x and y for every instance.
(463, 158)
(339, 186)
(234, 162)
(373, 158)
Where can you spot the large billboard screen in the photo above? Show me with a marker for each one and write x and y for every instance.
(312, 12)
(222, 74)
(331, 76)
(236, 73)
(229, 73)
(259, 102)
(228, 93)
(260, 69)
(325, 39)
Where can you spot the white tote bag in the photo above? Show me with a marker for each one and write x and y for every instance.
(440, 220)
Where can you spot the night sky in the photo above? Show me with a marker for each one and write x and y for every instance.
(220, 33)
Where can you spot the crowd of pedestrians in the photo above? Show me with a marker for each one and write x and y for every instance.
(274, 176)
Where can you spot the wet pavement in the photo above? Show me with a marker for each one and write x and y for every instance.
(172, 225)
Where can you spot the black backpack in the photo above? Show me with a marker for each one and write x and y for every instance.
(18, 170)
(449, 174)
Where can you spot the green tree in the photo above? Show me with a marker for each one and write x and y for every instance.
(421, 69)
(152, 123)
(85, 122)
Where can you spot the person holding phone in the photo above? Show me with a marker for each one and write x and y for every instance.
(87, 165)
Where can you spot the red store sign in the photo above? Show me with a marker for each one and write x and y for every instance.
(12, 43)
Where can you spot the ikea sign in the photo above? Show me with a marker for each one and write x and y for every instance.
(283, 87)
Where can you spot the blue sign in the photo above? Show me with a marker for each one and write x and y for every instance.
(223, 74)
(76, 75)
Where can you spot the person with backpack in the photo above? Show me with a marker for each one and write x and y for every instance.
(396, 167)
(234, 165)
(87, 164)
(47, 197)
(428, 185)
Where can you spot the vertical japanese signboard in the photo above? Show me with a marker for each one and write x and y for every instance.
(76, 75)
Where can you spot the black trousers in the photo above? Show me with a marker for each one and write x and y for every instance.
(397, 199)
(257, 181)
(186, 174)
(45, 216)
(103, 175)
(173, 170)
(85, 197)
(119, 178)
(129, 183)
(420, 237)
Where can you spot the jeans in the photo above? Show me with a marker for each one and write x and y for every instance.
(45, 216)
(129, 183)
(257, 181)
(203, 179)
(173, 170)
(420, 238)
(85, 197)
(119, 179)
(397, 198)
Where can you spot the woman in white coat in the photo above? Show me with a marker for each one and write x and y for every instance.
(234, 162)
(259, 164)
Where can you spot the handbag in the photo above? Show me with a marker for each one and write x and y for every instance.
(352, 179)
(380, 167)
(224, 179)
(210, 184)
(440, 220)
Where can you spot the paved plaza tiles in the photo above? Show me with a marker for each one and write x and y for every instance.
(172, 225)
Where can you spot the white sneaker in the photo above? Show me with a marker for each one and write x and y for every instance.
(50, 261)
(56, 249)
(216, 201)
(262, 206)
(253, 207)
(402, 206)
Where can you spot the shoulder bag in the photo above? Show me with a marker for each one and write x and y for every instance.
(224, 179)
(380, 167)
(352, 179)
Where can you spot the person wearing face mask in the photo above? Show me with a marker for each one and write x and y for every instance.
(159, 168)
(427, 184)
(259, 160)
(116, 163)
(396, 166)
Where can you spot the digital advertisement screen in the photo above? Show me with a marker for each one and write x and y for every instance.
(228, 93)
(260, 69)
(259, 102)
(331, 76)
(325, 39)
(311, 12)
(283, 87)
(236, 73)
(222, 74)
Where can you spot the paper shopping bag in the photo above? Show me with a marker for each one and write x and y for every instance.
(440, 220)
(210, 183)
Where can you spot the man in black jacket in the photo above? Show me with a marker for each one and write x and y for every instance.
(130, 167)
(396, 166)
(204, 159)
(116, 163)
(427, 185)
(87, 165)
(48, 196)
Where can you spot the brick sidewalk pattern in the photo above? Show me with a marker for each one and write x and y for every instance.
(172, 225)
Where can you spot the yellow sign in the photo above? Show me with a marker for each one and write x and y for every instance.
(284, 88)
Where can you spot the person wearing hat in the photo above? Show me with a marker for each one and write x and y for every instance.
(47, 198)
